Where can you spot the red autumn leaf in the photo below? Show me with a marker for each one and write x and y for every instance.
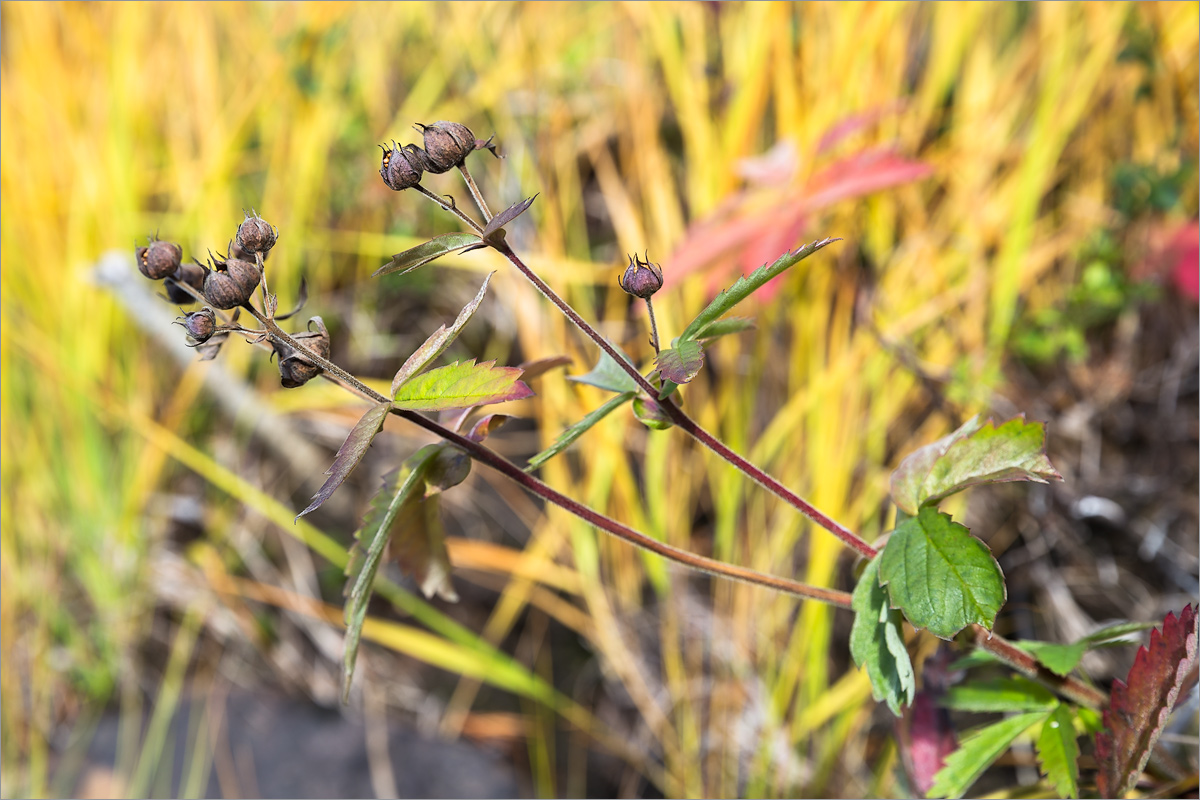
(1139, 705)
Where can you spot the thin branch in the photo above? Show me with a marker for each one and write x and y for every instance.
(475, 193)
(452, 207)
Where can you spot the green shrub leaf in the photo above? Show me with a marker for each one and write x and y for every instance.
(1002, 694)
(608, 375)
(371, 539)
(978, 751)
(350, 453)
(941, 576)
(422, 254)
(1058, 658)
(1058, 752)
(746, 286)
(974, 454)
(461, 384)
(436, 344)
(877, 642)
(568, 437)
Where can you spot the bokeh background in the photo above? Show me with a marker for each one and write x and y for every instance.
(1015, 187)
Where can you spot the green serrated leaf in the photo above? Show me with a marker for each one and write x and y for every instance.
(978, 751)
(608, 375)
(974, 454)
(724, 327)
(745, 286)
(568, 437)
(422, 254)
(941, 576)
(877, 642)
(371, 539)
(350, 453)
(461, 384)
(680, 364)
(1001, 694)
(1058, 658)
(436, 344)
(1058, 752)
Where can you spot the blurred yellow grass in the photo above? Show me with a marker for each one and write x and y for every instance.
(122, 119)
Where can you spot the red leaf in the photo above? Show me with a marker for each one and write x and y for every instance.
(925, 738)
(1139, 706)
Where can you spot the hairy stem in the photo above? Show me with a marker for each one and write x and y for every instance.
(475, 193)
(680, 418)
(653, 325)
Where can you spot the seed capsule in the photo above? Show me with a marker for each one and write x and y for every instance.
(641, 278)
(447, 145)
(159, 259)
(200, 325)
(294, 369)
(402, 166)
(191, 274)
(231, 282)
(255, 235)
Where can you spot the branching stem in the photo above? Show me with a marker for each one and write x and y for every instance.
(475, 193)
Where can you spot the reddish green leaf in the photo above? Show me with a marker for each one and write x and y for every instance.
(941, 576)
(422, 254)
(925, 739)
(877, 642)
(461, 384)
(436, 344)
(680, 364)
(974, 454)
(1139, 705)
(486, 426)
(350, 453)
(506, 216)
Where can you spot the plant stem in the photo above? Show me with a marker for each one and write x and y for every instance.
(653, 326)
(680, 418)
(451, 207)
(1026, 664)
(475, 193)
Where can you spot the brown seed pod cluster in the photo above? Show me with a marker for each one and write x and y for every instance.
(230, 282)
(447, 145)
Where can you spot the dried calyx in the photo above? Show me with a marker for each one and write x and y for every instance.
(230, 282)
(401, 167)
(447, 145)
(200, 325)
(294, 369)
(255, 235)
(159, 259)
(641, 278)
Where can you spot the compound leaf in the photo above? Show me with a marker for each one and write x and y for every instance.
(350, 453)
(422, 254)
(978, 751)
(1139, 705)
(877, 642)
(461, 384)
(371, 539)
(436, 344)
(974, 454)
(568, 437)
(1058, 752)
(745, 286)
(941, 576)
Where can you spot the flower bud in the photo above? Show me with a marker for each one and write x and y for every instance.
(159, 259)
(641, 278)
(402, 166)
(200, 325)
(255, 234)
(651, 414)
(294, 369)
(191, 274)
(230, 283)
(447, 145)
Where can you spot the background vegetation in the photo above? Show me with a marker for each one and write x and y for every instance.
(970, 156)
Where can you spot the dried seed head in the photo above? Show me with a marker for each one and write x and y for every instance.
(159, 259)
(294, 369)
(255, 235)
(641, 278)
(191, 274)
(447, 145)
(231, 282)
(402, 166)
(200, 325)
